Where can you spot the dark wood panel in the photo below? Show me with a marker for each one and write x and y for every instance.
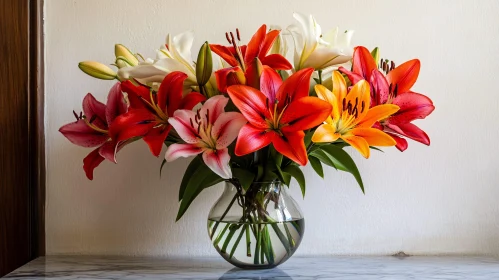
(21, 137)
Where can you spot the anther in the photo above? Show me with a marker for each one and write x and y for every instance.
(363, 107)
(344, 104)
(238, 35)
(207, 116)
(192, 124)
(76, 115)
(390, 88)
(228, 38)
(392, 66)
(92, 119)
(233, 40)
(267, 103)
(396, 90)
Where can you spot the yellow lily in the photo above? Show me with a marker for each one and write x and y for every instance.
(351, 118)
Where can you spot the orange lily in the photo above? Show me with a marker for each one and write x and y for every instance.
(351, 118)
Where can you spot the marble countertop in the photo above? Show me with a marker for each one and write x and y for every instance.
(344, 268)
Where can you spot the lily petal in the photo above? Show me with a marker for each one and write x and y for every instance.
(401, 142)
(353, 77)
(270, 81)
(95, 110)
(252, 139)
(358, 143)
(268, 42)
(227, 127)
(191, 99)
(213, 107)
(305, 113)
(108, 150)
(169, 95)
(135, 94)
(411, 131)
(359, 97)
(176, 151)
(224, 53)
(90, 162)
(116, 104)
(254, 44)
(379, 87)
(325, 133)
(295, 87)
(374, 137)
(291, 145)
(404, 75)
(378, 113)
(181, 121)
(134, 123)
(156, 137)
(412, 106)
(276, 61)
(363, 62)
(218, 162)
(79, 133)
(251, 103)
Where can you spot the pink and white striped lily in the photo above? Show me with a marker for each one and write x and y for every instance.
(209, 130)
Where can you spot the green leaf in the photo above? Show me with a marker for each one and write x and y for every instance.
(323, 157)
(377, 149)
(202, 178)
(344, 162)
(161, 168)
(296, 173)
(244, 176)
(317, 166)
(189, 172)
(308, 137)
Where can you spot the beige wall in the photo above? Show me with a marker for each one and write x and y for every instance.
(427, 200)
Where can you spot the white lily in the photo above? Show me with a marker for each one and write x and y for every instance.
(175, 55)
(313, 49)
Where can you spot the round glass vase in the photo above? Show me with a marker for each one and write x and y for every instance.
(258, 228)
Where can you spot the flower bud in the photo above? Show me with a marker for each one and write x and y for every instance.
(97, 70)
(375, 55)
(204, 65)
(123, 53)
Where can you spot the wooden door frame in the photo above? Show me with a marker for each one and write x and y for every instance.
(36, 118)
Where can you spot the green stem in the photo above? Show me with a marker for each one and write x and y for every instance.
(220, 235)
(248, 240)
(257, 247)
(320, 77)
(223, 216)
(245, 229)
(232, 230)
(288, 234)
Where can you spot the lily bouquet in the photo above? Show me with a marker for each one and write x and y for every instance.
(251, 118)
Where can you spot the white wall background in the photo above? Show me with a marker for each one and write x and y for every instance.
(440, 199)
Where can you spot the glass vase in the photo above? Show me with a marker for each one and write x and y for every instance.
(257, 228)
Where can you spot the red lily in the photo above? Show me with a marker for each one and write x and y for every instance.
(278, 114)
(242, 58)
(395, 88)
(148, 117)
(92, 129)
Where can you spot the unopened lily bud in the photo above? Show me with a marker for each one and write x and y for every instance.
(375, 55)
(123, 53)
(97, 70)
(204, 65)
